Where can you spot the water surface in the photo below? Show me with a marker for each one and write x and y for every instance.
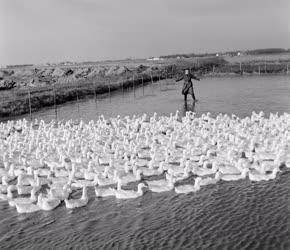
(238, 95)
(229, 215)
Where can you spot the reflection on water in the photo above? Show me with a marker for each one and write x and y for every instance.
(188, 106)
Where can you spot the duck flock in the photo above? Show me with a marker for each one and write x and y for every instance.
(43, 165)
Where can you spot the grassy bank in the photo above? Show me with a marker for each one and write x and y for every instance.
(23, 101)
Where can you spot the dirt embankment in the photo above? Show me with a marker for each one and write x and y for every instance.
(35, 88)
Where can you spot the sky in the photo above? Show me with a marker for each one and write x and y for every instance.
(40, 31)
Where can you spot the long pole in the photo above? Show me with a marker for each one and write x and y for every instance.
(55, 106)
(78, 100)
(29, 102)
(122, 82)
(95, 91)
(287, 69)
(151, 82)
(159, 83)
(134, 86)
(95, 95)
(110, 89)
(142, 84)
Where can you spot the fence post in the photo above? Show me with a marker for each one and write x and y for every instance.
(259, 69)
(142, 84)
(95, 91)
(29, 102)
(78, 99)
(159, 83)
(55, 106)
(134, 86)
(151, 82)
(287, 72)
(109, 85)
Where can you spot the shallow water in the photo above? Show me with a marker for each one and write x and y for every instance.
(229, 215)
(238, 95)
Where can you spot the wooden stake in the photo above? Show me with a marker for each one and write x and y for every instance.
(134, 86)
(29, 102)
(122, 82)
(110, 89)
(95, 92)
(151, 82)
(142, 84)
(78, 100)
(55, 106)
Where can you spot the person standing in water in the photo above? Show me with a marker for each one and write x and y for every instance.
(187, 85)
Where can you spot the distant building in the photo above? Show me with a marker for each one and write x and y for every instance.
(155, 59)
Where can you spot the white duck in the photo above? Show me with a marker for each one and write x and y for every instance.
(150, 171)
(104, 192)
(4, 185)
(159, 186)
(26, 179)
(209, 180)
(47, 203)
(184, 189)
(202, 171)
(235, 177)
(76, 203)
(129, 194)
(228, 169)
(125, 179)
(180, 176)
(9, 195)
(89, 174)
(103, 181)
(25, 208)
(79, 184)
(257, 176)
(23, 200)
(61, 192)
